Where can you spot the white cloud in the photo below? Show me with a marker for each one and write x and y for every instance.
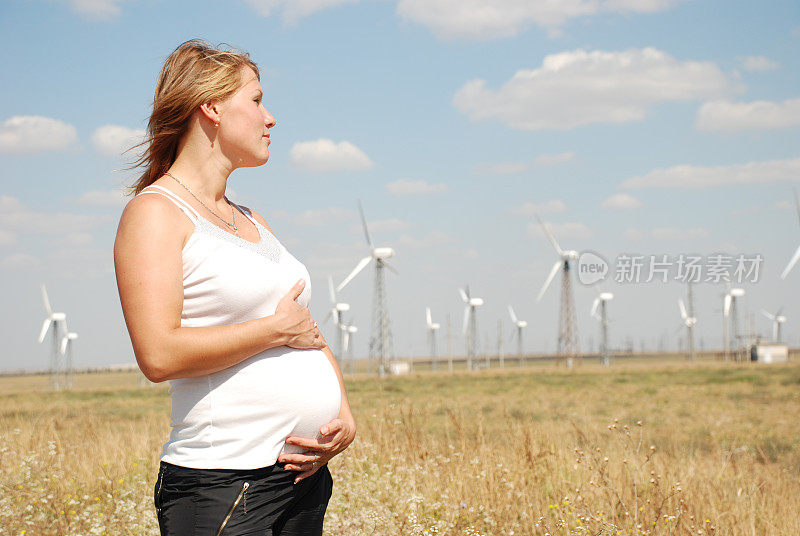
(410, 187)
(16, 217)
(621, 201)
(316, 217)
(292, 10)
(324, 155)
(674, 233)
(694, 177)
(548, 207)
(7, 238)
(26, 134)
(19, 261)
(561, 231)
(486, 19)
(582, 87)
(113, 140)
(548, 160)
(103, 198)
(97, 10)
(758, 63)
(757, 115)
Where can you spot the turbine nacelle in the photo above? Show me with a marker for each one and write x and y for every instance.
(67, 339)
(571, 255)
(382, 253)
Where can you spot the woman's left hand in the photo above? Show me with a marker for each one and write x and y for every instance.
(335, 437)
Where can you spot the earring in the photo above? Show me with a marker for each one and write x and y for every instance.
(216, 125)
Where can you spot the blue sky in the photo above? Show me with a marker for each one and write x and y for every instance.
(631, 126)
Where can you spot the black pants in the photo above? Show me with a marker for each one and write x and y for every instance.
(263, 502)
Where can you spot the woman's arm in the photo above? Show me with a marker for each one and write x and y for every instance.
(148, 264)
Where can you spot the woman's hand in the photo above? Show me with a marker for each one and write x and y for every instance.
(297, 325)
(335, 437)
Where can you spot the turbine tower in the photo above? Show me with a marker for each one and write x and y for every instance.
(58, 322)
(470, 328)
(519, 324)
(600, 303)
(731, 315)
(567, 323)
(432, 328)
(66, 349)
(380, 344)
(348, 332)
(337, 308)
(796, 255)
(777, 323)
(689, 321)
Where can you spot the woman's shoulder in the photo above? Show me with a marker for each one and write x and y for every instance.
(147, 213)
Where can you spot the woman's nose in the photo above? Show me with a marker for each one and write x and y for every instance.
(269, 120)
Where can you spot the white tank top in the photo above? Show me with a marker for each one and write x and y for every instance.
(238, 418)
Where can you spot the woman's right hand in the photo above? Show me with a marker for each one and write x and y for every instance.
(296, 323)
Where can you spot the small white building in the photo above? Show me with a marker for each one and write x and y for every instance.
(769, 353)
(399, 367)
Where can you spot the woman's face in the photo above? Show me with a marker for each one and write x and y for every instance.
(244, 124)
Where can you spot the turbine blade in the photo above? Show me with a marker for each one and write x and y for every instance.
(550, 277)
(346, 341)
(511, 312)
(683, 310)
(45, 327)
(595, 304)
(768, 315)
(358, 268)
(466, 319)
(463, 295)
(46, 301)
(727, 308)
(64, 341)
(389, 266)
(329, 315)
(330, 289)
(364, 223)
(791, 264)
(550, 236)
(428, 316)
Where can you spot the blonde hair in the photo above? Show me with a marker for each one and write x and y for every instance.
(193, 74)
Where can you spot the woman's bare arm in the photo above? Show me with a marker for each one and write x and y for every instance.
(148, 264)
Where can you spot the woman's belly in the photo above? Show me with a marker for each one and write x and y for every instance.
(240, 417)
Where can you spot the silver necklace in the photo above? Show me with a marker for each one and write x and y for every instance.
(233, 213)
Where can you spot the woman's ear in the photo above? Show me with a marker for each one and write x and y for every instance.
(212, 111)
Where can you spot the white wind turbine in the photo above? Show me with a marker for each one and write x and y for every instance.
(68, 351)
(58, 323)
(600, 303)
(731, 318)
(796, 255)
(567, 323)
(777, 323)
(470, 327)
(689, 322)
(519, 324)
(349, 331)
(337, 308)
(432, 328)
(381, 341)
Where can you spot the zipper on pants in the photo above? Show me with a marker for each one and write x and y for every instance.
(233, 507)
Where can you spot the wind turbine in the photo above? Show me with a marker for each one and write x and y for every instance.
(777, 322)
(689, 319)
(470, 327)
(567, 323)
(519, 324)
(337, 308)
(796, 255)
(66, 349)
(348, 332)
(432, 328)
(380, 344)
(600, 303)
(730, 313)
(58, 322)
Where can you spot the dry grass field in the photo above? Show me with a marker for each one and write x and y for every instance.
(640, 449)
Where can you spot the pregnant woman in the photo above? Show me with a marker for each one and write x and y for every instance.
(215, 304)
